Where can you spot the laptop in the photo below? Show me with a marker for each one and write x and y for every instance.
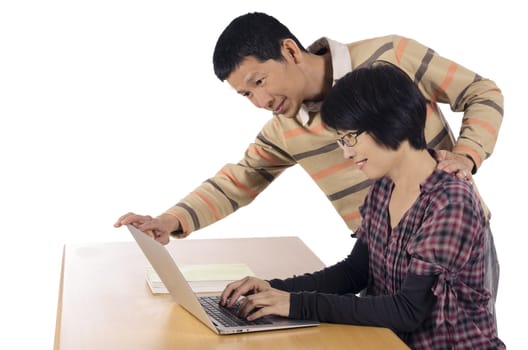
(205, 308)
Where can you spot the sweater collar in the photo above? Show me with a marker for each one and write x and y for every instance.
(341, 65)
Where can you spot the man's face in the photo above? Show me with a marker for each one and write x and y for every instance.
(274, 85)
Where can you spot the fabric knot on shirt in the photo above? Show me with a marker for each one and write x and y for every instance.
(444, 290)
(450, 291)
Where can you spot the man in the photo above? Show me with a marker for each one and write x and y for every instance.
(263, 61)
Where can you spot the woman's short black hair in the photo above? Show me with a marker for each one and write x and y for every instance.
(254, 34)
(379, 99)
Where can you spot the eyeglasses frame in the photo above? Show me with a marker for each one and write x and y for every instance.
(344, 141)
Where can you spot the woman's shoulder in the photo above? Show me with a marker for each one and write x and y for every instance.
(447, 188)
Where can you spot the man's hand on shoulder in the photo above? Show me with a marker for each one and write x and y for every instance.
(454, 163)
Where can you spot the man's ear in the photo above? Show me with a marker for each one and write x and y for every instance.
(291, 51)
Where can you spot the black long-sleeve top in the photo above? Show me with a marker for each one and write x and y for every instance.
(329, 295)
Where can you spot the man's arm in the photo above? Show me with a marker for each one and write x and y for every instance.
(235, 185)
(445, 81)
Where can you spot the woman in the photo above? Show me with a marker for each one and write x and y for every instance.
(420, 248)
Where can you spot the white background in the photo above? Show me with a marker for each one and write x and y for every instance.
(112, 106)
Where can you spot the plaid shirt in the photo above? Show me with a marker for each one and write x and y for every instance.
(441, 234)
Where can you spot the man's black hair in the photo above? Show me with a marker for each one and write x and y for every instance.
(254, 34)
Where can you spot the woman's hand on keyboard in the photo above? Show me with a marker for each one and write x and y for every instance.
(260, 299)
(246, 286)
(269, 302)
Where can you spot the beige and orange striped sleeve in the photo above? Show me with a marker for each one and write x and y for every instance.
(235, 185)
(445, 81)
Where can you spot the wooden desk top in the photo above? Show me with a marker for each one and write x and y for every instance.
(105, 303)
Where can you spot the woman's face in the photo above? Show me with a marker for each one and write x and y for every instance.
(373, 159)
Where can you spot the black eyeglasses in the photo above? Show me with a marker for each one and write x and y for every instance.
(348, 139)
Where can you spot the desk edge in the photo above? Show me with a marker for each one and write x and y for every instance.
(58, 320)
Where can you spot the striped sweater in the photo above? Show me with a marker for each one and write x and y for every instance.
(284, 142)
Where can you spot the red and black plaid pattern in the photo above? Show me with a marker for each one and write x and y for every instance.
(441, 234)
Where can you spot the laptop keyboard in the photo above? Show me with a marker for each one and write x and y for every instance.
(225, 315)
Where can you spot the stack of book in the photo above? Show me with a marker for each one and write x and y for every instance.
(203, 278)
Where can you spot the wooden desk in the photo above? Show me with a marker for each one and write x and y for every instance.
(105, 303)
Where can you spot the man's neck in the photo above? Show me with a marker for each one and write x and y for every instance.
(319, 74)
